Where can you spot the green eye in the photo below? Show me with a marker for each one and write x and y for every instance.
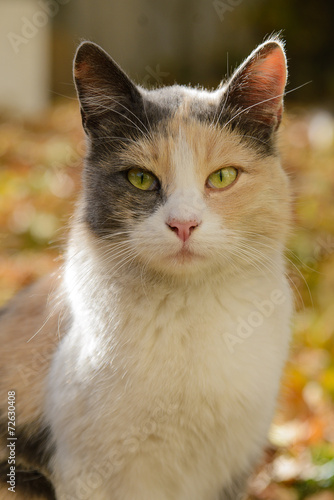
(142, 179)
(222, 177)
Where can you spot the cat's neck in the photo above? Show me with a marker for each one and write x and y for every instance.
(101, 293)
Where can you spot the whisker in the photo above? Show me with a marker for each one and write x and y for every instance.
(262, 102)
(244, 110)
(287, 258)
(109, 108)
(261, 255)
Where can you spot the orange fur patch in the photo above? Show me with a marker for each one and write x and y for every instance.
(258, 200)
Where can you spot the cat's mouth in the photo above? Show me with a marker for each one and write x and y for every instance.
(185, 255)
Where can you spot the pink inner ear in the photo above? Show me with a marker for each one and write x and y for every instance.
(81, 69)
(265, 79)
(271, 72)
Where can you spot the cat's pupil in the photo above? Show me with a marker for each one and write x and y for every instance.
(141, 178)
(221, 175)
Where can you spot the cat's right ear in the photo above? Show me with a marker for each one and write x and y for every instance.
(102, 86)
(255, 91)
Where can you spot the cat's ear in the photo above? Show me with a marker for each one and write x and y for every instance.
(102, 86)
(255, 91)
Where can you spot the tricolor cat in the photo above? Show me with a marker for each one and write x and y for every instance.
(161, 341)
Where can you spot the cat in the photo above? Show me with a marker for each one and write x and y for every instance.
(148, 367)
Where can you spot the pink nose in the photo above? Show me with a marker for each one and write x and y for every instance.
(182, 229)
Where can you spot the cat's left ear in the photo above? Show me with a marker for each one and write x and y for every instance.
(255, 91)
(102, 86)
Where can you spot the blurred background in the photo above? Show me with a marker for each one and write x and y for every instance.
(186, 41)
(159, 41)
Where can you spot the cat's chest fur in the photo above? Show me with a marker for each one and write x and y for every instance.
(167, 386)
(174, 330)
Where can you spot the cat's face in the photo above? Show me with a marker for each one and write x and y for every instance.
(183, 180)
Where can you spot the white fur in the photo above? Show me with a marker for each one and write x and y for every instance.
(164, 408)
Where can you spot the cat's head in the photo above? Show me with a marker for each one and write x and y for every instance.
(184, 180)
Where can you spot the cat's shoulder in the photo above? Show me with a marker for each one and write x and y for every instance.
(23, 315)
(31, 326)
